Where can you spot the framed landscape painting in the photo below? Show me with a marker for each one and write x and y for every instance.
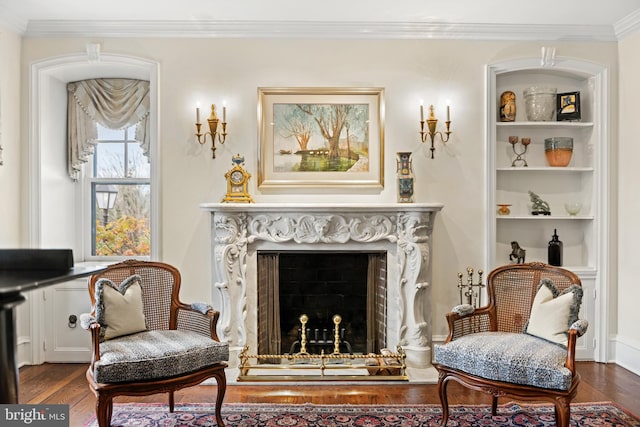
(321, 138)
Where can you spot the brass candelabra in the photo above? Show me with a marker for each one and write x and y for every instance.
(213, 122)
(513, 140)
(432, 124)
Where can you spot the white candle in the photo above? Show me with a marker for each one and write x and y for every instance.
(198, 114)
(224, 113)
(421, 112)
(448, 114)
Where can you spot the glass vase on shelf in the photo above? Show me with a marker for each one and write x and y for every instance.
(405, 177)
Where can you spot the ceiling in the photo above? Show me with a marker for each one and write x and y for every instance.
(546, 19)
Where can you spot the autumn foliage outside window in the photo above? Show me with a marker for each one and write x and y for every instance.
(124, 229)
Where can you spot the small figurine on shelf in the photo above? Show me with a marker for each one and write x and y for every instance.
(517, 253)
(538, 206)
(507, 106)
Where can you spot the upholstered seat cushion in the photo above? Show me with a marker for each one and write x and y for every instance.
(509, 357)
(156, 354)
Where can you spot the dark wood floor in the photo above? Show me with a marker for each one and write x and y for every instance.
(66, 384)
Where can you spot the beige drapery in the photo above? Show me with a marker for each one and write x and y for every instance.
(114, 104)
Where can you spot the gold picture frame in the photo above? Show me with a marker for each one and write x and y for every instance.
(318, 138)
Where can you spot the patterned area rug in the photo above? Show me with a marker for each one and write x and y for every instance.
(601, 414)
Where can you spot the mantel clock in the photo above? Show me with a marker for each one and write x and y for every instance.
(237, 181)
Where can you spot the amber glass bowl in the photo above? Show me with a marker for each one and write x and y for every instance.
(558, 150)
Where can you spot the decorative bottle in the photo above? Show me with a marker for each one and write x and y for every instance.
(405, 177)
(555, 250)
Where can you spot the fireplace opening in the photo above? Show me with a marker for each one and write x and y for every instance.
(321, 284)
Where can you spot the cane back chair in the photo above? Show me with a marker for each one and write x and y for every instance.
(488, 349)
(179, 347)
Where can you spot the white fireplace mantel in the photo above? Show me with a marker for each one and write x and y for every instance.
(402, 229)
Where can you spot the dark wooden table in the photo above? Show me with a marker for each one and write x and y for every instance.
(13, 282)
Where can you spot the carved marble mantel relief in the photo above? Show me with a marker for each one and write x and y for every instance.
(403, 230)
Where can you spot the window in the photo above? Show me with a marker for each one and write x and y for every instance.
(119, 187)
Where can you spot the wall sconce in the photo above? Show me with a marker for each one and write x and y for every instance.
(213, 128)
(432, 123)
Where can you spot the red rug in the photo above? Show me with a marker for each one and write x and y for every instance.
(602, 414)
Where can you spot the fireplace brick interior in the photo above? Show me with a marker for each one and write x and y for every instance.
(320, 285)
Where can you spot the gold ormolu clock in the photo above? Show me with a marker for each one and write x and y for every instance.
(237, 182)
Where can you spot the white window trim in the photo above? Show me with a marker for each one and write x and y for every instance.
(43, 75)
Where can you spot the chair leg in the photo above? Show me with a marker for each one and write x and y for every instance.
(222, 389)
(494, 405)
(442, 391)
(563, 413)
(104, 410)
(171, 401)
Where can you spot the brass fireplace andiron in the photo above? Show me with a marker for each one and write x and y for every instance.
(320, 339)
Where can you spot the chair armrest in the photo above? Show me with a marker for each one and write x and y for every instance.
(576, 330)
(94, 328)
(198, 317)
(465, 320)
(89, 322)
(463, 309)
(570, 362)
(86, 320)
(580, 326)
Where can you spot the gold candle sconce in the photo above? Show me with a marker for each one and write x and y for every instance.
(432, 123)
(214, 133)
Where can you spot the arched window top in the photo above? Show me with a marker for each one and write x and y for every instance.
(112, 103)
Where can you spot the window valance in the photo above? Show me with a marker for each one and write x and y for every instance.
(112, 103)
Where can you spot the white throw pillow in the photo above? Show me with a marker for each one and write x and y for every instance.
(552, 312)
(119, 309)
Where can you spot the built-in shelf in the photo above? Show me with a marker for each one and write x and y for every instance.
(544, 217)
(548, 125)
(568, 169)
(583, 180)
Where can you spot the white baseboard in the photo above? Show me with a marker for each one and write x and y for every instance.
(626, 353)
(23, 351)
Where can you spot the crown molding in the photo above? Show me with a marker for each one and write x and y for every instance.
(10, 21)
(627, 25)
(318, 30)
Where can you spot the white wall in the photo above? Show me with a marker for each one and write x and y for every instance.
(10, 173)
(627, 340)
(10, 139)
(213, 70)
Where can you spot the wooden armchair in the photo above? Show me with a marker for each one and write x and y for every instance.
(176, 348)
(488, 350)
